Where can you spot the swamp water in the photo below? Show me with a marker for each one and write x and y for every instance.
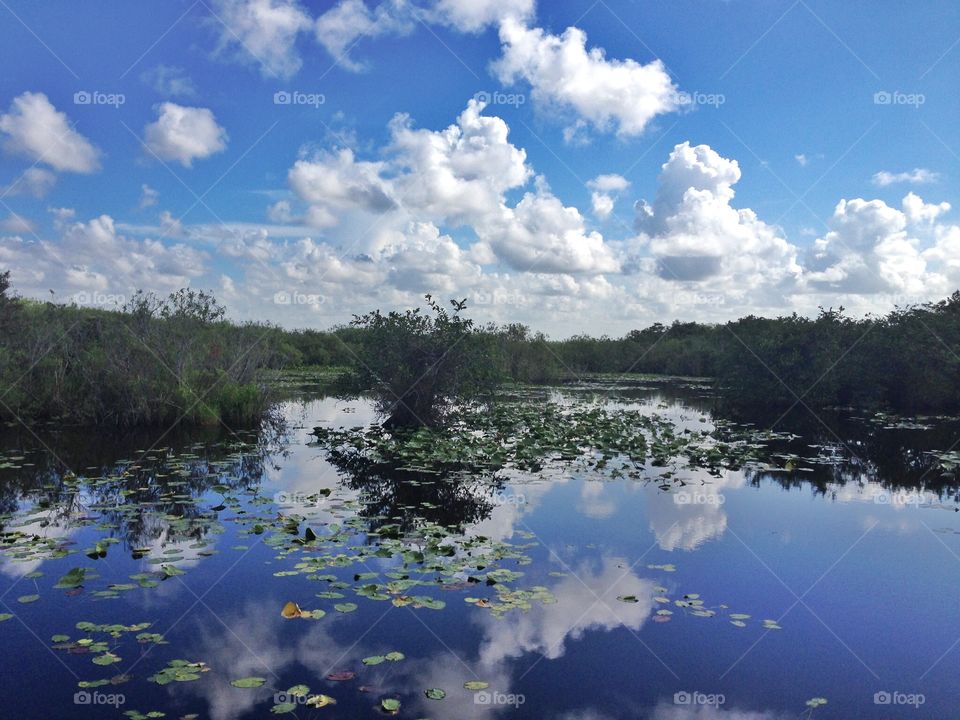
(225, 575)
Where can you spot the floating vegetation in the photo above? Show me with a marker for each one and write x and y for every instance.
(529, 437)
(390, 705)
(248, 682)
(179, 671)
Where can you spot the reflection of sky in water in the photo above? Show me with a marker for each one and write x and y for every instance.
(876, 582)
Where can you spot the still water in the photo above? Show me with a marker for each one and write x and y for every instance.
(829, 572)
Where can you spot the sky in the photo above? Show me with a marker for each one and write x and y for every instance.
(578, 166)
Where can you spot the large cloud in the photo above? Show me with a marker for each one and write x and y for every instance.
(36, 129)
(92, 258)
(459, 174)
(563, 73)
(543, 235)
(337, 181)
(695, 235)
(263, 32)
(184, 134)
(457, 177)
(475, 15)
(901, 255)
(345, 24)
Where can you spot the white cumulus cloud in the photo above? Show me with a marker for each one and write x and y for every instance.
(37, 130)
(263, 32)
(565, 74)
(184, 134)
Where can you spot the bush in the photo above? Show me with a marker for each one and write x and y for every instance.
(420, 366)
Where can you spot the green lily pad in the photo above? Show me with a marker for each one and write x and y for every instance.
(248, 682)
(390, 705)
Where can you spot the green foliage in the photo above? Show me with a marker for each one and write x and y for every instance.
(908, 361)
(157, 361)
(419, 366)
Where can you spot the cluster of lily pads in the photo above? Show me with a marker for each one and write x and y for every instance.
(532, 437)
(103, 649)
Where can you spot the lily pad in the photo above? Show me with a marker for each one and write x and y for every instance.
(319, 701)
(390, 705)
(248, 682)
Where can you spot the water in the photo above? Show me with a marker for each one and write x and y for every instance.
(856, 558)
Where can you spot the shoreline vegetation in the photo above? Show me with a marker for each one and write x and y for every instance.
(158, 361)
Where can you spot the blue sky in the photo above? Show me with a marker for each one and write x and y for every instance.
(832, 113)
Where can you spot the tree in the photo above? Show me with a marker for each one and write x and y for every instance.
(421, 365)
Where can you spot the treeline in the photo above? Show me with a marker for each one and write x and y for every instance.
(156, 362)
(907, 361)
(159, 360)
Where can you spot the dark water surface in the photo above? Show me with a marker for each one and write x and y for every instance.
(736, 597)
